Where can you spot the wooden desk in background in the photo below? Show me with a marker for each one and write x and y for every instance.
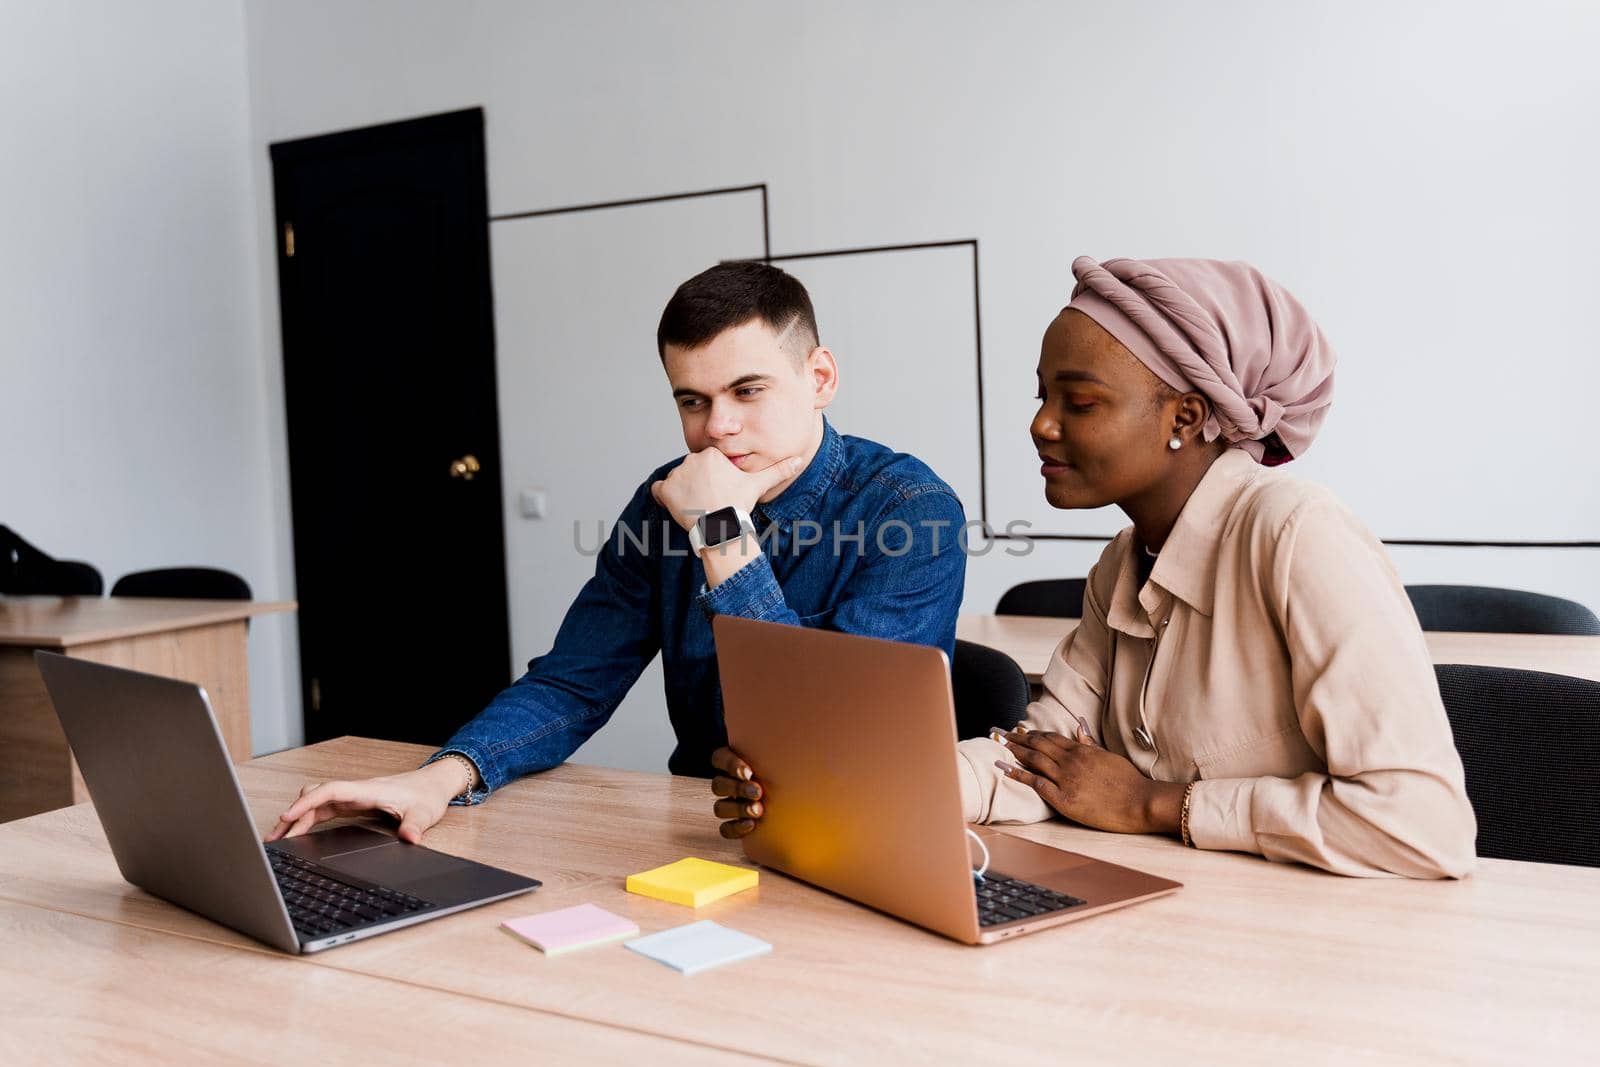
(197, 640)
(1251, 962)
(1032, 640)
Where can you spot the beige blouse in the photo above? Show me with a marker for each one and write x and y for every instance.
(1273, 658)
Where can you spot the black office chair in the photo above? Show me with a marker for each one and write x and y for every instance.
(192, 583)
(27, 571)
(1530, 743)
(1483, 609)
(990, 689)
(1058, 598)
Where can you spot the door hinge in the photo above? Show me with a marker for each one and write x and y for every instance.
(288, 240)
(316, 694)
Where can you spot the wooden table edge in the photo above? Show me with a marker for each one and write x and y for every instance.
(224, 611)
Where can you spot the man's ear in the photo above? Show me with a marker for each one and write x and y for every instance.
(823, 373)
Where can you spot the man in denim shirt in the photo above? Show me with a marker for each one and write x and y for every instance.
(772, 515)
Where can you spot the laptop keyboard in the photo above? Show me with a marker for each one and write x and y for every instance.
(1003, 900)
(322, 903)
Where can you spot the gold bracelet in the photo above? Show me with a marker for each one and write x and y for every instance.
(1183, 818)
(472, 775)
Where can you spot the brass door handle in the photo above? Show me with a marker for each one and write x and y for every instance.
(465, 467)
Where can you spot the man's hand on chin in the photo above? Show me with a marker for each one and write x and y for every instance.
(706, 481)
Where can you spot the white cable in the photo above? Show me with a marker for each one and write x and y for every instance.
(978, 874)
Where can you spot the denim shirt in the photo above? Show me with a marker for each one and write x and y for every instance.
(865, 541)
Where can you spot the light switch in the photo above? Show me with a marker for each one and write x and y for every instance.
(532, 503)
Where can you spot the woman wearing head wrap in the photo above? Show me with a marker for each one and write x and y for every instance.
(1248, 673)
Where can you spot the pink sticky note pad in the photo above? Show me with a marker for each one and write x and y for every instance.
(566, 929)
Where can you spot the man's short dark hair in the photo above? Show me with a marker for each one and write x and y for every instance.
(732, 294)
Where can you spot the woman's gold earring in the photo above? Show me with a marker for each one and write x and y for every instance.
(1174, 444)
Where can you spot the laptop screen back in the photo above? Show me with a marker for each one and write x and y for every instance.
(854, 742)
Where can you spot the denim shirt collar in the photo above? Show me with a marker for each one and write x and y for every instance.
(798, 500)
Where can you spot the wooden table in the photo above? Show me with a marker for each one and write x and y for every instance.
(1252, 962)
(1032, 640)
(197, 640)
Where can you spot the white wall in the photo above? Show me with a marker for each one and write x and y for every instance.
(132, 413)
(1419, 174)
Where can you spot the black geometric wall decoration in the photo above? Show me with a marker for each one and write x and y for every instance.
(977, 348)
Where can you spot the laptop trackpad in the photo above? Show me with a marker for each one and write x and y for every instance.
(1017, 857)
(397, 865)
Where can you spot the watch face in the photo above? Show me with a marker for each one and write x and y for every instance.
(719, 526)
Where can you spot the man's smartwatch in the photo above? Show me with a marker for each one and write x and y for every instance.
(719, 527)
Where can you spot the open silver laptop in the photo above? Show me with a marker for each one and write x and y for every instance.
(854, 742)
(165, 791)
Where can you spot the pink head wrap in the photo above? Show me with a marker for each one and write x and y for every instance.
(1224, 330)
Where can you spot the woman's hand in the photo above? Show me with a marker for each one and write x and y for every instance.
(1089, 785)
(417, 799)
(741, 805)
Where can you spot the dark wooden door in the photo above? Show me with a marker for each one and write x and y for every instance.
(394, 445)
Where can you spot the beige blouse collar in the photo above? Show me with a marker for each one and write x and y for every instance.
(1187, 566)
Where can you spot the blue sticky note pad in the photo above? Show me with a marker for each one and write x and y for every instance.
(698, 947)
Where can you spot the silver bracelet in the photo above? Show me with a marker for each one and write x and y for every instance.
(473, 775)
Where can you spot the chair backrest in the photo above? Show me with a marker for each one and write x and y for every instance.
(990, 689)
(26, 571)
(73, 577)
(1059, 598)
(1484, 609)
(1530, 743)
(193, 583)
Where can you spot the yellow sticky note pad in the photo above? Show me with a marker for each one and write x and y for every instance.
(693, 882)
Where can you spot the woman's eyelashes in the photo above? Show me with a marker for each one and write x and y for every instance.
(1074, 402)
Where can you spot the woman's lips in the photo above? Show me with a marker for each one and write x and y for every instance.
(1053, 468)
(740, 460)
